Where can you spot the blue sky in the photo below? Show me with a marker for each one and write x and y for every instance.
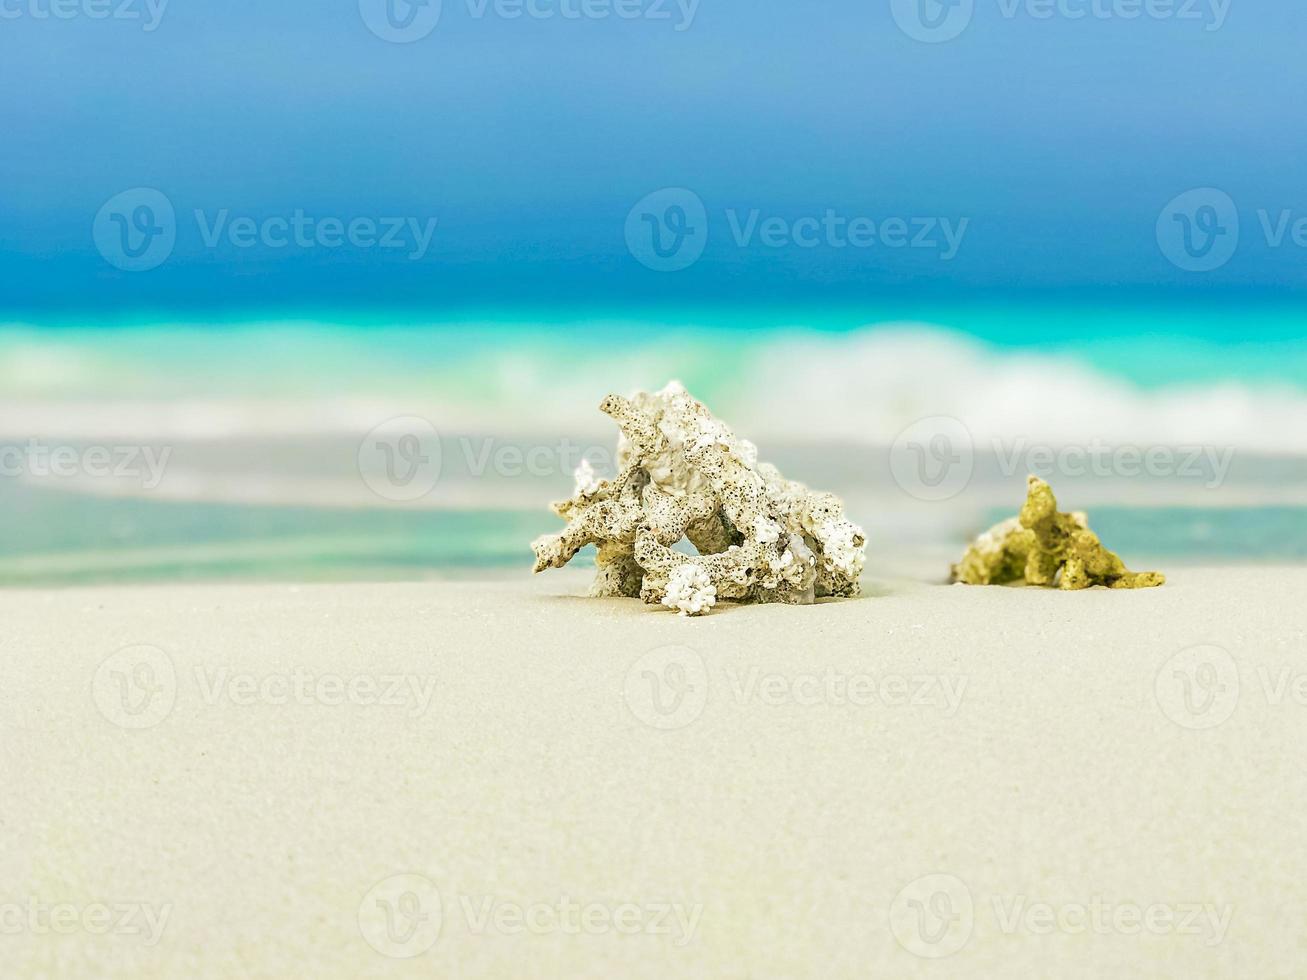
(529, 139)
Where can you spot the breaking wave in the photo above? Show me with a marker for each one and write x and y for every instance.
(865, 387)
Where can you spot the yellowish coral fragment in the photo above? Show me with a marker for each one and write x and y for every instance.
(1046, 547)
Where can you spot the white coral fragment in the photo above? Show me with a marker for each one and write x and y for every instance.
(683, 474)
(587, 481)
(690, 590)
(766, 530)
(844, 549)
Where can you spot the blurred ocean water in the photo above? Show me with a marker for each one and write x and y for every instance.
(1147, 342)
(52, 538)
(240, 450)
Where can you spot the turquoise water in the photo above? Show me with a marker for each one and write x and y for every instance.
(1147, 344)
(54, 538)
(57, 539)
(260, 401)
(1205, 534)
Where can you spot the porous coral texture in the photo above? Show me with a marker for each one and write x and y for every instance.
(683, 474)
(1046, 547)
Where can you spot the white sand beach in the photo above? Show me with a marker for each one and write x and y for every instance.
(510, 780)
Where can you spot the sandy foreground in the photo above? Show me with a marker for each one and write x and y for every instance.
(509, 780)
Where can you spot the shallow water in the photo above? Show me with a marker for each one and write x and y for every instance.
(54, 538)
(263, 423)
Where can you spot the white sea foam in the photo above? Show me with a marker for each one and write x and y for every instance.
(864, 387)
(871, 386)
